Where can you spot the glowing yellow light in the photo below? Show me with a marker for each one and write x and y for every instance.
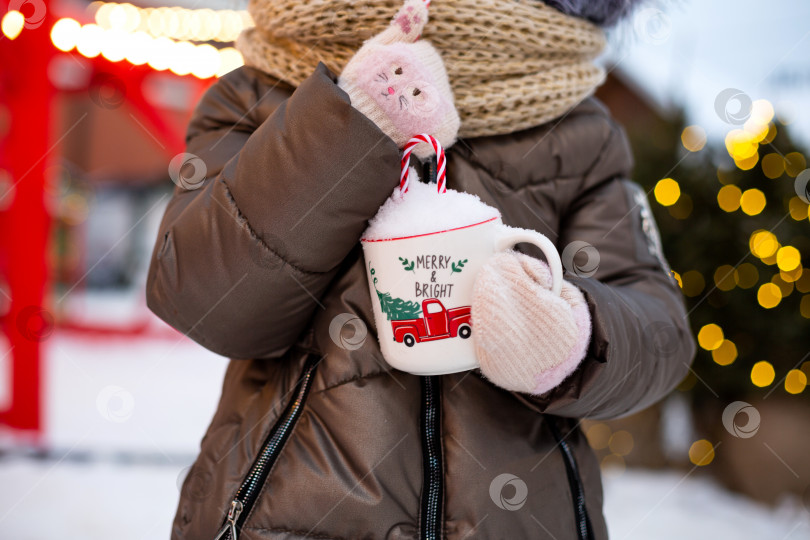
(132, 17)
(65, 33)
(667, 191)
(725, 354)
(728, 198)
(701, 453)
(792, 276)
(740, 144)
(621, 443)
(229, 59)
(181, 57)
(769, 295)
(115, 44)
(773, 166)
(118, 17)
(206, 61)
(752, 201)
(681, 209)
(770, 136)
(785, 287)
(804, 306)
(90, 40)
(138, 48)
(155, 22)
(794, 164)
(761, 111)
(748, 163)
(160, 53)
(598, 435)
(788, 258)
(803, 283)
(710, 337)
(757, 131)
(763, 243)
(746, 275)
(12, 24)
(795, 381)
(725, 176)
(103, 14)
(762, 374)
(798, 209)
(693, 138)
(724, 277)
(693, 283)
(677, 277)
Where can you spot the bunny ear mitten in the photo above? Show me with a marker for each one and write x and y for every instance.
(400, 82)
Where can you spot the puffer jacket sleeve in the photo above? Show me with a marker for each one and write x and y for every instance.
(241, 262)
(641, 345)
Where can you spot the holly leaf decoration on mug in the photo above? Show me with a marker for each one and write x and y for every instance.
(407, 265)
(457, 267)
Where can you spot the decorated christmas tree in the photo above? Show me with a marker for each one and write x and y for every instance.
(734, 224)
(396, 309)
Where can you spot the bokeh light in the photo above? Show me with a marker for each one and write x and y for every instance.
(773, 166)
(693, 283)
(794, 164)
(795, 381)
(710, 336)
(701, 453)
(728, 198)
(769, 295)
(752, 201)
(788, 258)
(12, 24)
(746, 275)
(762, 374)
(667, 191)
(724, 277)
(693, 138)
(763, 243)
(725, 354)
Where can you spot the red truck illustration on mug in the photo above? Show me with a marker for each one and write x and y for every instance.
(437, 322)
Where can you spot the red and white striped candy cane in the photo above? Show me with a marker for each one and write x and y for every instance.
(441, 179)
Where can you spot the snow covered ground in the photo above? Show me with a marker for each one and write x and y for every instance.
(123, 420)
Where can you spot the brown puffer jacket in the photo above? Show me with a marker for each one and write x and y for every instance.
(314, 440)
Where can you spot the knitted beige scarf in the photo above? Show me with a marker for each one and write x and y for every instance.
(512, 64)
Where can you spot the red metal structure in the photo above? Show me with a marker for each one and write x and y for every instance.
(30, 142)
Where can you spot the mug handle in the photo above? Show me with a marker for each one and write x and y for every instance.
(510, 236)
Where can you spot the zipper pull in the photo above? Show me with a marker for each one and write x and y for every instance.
(230, 523)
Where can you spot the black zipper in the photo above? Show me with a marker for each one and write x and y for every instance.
(584, 529)
(248, 492)
(432, 488)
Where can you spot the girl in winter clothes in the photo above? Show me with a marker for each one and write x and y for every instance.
(314, 438)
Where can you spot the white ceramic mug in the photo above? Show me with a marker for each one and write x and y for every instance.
(421, 290)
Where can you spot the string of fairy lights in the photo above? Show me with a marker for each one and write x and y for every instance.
(164, 38)
(744, 146)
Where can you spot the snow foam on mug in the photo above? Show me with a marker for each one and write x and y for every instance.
(423, 210)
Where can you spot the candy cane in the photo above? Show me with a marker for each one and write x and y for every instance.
(441, 162)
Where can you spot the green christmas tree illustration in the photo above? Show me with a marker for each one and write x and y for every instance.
(396, 309)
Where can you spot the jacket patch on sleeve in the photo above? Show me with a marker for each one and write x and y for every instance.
(644, 219)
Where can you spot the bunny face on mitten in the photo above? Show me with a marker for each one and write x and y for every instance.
(401, 84)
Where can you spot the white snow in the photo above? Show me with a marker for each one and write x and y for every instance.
(123, 423)
(424, 210)
(677, 505)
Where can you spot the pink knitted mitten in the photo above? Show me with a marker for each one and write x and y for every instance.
(400, 83)
(526, 338)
